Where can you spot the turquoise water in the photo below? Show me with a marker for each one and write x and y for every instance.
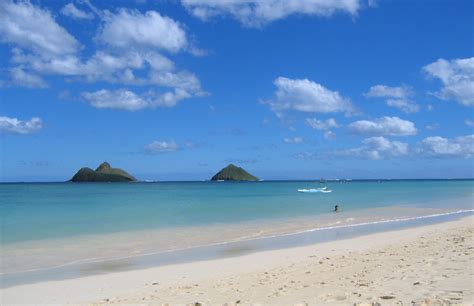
(32, 212)
(60, 230)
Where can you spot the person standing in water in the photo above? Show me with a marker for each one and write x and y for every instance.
(336, 208)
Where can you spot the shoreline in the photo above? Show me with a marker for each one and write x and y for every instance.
(131, 286)
(223, 249)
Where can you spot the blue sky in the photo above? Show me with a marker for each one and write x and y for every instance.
(176, 90)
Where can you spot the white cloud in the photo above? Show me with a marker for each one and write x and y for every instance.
(182, 80)
(157, 147)
(118, 99)
(25, 79)
(322, 125)
(129, 29)
(126, 28)
(105, 66)
(469, 122)
(376, 148)
(384, 91)
(457, 77)
(384, 126)
(330, 135)
(130, 101)
(170, 99)
(306, 96)
(293, 140)
(100, 66)
(398, 97)
(33, 28)
(255, 13)
(10, 125)
(43, 48)
(72, 11)
(436, 146)
(404, 105)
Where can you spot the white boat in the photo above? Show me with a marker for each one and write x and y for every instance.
(315, 190)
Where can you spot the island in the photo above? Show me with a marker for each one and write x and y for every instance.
(103, 173)
(233, 173)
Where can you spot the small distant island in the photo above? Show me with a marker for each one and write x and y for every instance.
(103, 173)
(233, 173)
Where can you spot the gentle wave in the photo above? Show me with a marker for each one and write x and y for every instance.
(243, 239)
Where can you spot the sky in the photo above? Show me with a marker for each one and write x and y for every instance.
(287, 89)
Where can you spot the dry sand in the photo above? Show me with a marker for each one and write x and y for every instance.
(431, 264)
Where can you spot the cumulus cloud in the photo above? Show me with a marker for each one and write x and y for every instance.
(127, 100)
(130, 54)
(457, 77)
(306, 96)
(384, 126)
(376, 148)
(160, 146)
(255, 13)
(72, 11)
(324, 125)
(469, 122)
(154, 68)
(293, 140)
(130, 28)
(406, 106)
(321, 124)
(384, 91)
(115, 67)
(25, 79)
(398, 97)
(436, 146)
(118, 99)
(33, 28)
(10, 125)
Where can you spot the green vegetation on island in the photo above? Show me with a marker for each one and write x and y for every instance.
(103, 173)
(233, 173)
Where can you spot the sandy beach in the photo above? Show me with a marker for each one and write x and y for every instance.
(428, 264)
(236, 152)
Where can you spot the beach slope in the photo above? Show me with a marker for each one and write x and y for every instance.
(425, 265)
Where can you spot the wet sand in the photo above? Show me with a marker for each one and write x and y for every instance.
(142, 249)
(427, 264)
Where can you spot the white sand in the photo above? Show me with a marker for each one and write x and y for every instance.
(424, 265)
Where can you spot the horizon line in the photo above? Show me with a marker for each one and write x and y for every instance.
(347, 180)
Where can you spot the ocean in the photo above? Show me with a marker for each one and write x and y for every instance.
(64, 229)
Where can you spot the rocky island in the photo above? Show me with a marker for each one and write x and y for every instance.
(103, 173)
(233, 173)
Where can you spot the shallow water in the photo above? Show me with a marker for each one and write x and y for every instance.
(90, 228)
